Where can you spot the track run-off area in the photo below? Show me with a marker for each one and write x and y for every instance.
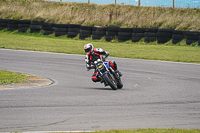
(156, 94)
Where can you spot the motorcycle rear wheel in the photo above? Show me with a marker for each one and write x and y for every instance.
(119, 81)
(119, 84)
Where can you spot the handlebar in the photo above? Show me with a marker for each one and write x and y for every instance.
(95, 63)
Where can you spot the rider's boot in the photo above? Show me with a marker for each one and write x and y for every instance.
(98, 78)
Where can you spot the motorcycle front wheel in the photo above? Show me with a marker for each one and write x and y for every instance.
(108, 79)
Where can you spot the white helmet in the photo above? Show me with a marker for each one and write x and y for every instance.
(88, 48)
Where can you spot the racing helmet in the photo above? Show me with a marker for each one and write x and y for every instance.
(88, 48)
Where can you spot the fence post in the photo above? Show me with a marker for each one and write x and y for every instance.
(138, 2)
(173, 3)
(115, 2)
(60, 0)
(88, 1)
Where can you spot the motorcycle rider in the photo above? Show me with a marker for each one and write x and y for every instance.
(92, 54)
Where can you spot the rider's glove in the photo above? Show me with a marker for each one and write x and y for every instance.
(104, 59)
(107, 54)
(90, 67)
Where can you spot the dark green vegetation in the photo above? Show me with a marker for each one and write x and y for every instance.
(101, 15)
(7, 77)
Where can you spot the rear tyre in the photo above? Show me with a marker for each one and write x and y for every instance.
(119, 84)
(118, 80)
(109, 81)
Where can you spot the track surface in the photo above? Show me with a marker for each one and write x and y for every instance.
(155, 95)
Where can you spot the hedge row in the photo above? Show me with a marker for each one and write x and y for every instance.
(122, 34)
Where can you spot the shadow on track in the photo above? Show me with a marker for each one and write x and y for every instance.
(97, 88)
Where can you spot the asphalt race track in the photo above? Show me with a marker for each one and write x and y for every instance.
(156, 94)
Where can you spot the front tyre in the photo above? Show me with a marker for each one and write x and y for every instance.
(110, 82)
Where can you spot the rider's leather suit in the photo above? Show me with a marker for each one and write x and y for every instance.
(94, 56)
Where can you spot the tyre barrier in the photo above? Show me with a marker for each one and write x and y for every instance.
(3, 23)
(73, 30)
(138, 34)
(61, 29)
(112, 33)
(150, 35)
(124, 34)
(162, 35)
(98, 33)
(192, 37)
(177, 36)
(85, 32)
(36, 26)
(12, 25)
(48, 28)
(23, 25)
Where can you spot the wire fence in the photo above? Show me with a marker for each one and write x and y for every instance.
(156, 3)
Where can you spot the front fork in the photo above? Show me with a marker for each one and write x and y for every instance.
(113, 72)
(110, 70)
(103, 80)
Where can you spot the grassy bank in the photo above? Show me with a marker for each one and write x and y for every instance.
(140, 50)
(92, 14)
(7, 77)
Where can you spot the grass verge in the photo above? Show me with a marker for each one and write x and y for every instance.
(7, 77)
(140, 50)
(149, 131)
(152, 131)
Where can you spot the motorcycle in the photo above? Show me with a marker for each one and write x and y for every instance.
(108, 75)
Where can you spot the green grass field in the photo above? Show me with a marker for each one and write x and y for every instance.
(140, 50)
(7, 77)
